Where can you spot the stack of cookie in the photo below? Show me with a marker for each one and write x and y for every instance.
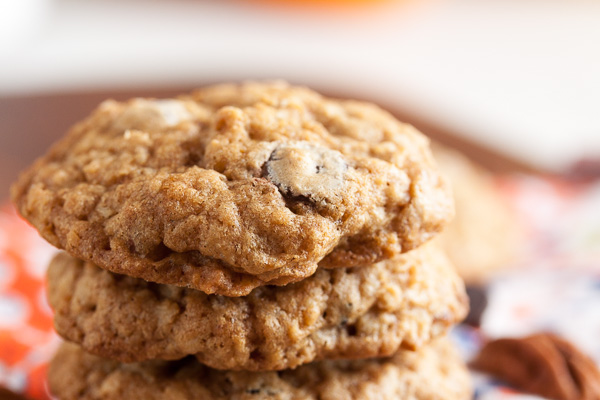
(246, 242)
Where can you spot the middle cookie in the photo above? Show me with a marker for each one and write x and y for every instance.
(341, 313)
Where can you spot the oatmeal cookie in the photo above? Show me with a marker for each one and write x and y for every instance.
(435, 372)
(235, 186)
(484, 237)
(336, 313)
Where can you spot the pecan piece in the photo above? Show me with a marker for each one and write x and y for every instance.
(543, 364)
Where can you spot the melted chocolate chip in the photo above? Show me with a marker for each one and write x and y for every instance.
(305, 172)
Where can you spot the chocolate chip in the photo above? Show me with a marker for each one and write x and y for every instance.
(477, 305)
(301, 170)
(351, 330)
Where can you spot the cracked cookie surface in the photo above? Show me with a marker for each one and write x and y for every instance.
(336, 313)
(435, 372)
(235, 186)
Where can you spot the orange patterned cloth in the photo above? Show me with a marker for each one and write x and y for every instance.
(27, 339)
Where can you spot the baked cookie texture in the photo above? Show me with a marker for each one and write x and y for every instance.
(336, 313)
(435, 372)
(485, 236)
(236, 186)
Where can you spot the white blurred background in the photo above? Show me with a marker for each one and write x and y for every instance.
(519, 76)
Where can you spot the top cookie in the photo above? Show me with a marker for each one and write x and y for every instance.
(234, 187)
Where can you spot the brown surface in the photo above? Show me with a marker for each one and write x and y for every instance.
(236, 186)
(6, 394)
(30, 123)
(436, 372)
(542, 364)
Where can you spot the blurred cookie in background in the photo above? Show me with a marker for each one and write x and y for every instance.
(485, 235)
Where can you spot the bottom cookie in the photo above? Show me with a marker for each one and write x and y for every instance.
(435, 372)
